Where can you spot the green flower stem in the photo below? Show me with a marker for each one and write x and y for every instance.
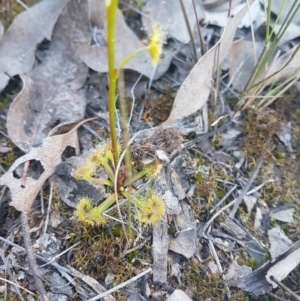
(111, 11)
(101, 181)
(108, 202)
(135, 177)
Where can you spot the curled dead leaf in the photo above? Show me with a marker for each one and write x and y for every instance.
(48, 155)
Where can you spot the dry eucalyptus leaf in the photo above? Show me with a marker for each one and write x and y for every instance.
(126, 42)
(195, 90)
(168, 15)
(31, 27)
(279, 242)
(52, 93)
(23, 193)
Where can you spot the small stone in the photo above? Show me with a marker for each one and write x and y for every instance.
(179, 295)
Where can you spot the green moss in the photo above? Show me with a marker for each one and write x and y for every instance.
(257, 129)
(9, 9)
(245, 259)
(132, 256)
(208, 286)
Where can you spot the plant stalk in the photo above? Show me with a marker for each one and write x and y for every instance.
(111, 11)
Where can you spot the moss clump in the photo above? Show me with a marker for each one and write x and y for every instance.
(100, 253)
(208, 189)
(257, 129)
(208, 286)
(248, 261)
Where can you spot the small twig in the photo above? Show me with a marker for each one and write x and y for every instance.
(139, 246)
(49, 208)
(229, 9)
(259, 187)
(187, 23)
(42, 201)
(205, 227)
(224, 198)
(30, 255)
(276, 297)
(91, 131)
(60, 254)
(19, 286)
(54, 264)
(247, 187)
(94, 284)
(285, 288)
(4, 189)
(22, 4)
(202, 43)
(215, 255)
(120, 285)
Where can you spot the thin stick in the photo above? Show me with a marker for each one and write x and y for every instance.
(202, 43)
(285, 288)
(216, 215)
(30, 255)
(224, 198)
(60, 254)
(19, 286)
(229, 9)
(3, 191)
(188, 27)
(22, 4)
(247, 187)
(42, 201)
(120, 285)
(54, 264)
(49, 207)
(13, 280)
(276, 297)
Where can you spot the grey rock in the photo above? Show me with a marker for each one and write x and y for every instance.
(179, 295)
